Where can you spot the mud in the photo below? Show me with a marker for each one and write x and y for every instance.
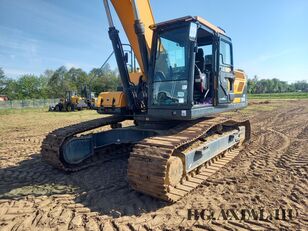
(270, 173)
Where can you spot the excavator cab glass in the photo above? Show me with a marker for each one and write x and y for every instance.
(172, 66)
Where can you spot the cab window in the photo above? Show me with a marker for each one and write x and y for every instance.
(225, 53)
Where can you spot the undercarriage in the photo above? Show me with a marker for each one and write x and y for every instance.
(165, 162)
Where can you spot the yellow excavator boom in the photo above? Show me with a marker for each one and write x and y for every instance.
(125, 12)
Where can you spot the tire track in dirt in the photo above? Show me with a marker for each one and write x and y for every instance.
(270, 172)
(264, 152)
(106, 195)
(303, 135)
(295, 161)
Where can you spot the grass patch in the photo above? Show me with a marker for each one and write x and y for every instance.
(39, 119)
(45, 112)
(10, 111)
(287, 95)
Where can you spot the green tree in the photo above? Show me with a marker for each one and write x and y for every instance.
(104, 79)
(77, 78)
(300, 86)
(11, 89)
(3, 81)
(58, 83)
(274, 85)
(29, 87)
(252, 85)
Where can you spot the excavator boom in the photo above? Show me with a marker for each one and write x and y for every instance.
(126, 14)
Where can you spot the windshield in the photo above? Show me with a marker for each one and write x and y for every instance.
(172, 57)
(172, 67)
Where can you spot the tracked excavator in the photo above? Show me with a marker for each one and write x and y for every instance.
(186, 80)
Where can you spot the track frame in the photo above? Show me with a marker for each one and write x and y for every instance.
(152, 159)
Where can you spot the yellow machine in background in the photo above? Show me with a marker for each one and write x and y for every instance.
(73, 102)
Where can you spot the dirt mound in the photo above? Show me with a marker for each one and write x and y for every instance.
(258, 102)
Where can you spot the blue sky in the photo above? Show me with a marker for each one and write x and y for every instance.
(269, 36)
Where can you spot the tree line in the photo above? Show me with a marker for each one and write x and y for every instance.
(54, 83)
(260, 86)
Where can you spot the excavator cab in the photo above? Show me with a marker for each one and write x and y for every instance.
(191, 70)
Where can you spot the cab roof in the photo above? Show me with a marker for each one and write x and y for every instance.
(187, 19)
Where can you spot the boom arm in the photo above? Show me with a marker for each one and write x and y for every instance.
(126, 12)
(136, 25)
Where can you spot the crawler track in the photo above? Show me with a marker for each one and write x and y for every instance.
(148, 163)
(52, 144)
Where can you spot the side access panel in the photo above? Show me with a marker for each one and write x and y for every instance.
(225, 94)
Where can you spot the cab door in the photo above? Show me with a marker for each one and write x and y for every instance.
(225, 91)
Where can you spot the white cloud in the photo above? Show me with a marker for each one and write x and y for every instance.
(84, 66)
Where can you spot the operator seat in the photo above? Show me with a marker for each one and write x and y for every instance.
(200, 60)
(200, 77)
(208, 62)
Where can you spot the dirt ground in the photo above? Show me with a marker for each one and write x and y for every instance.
(270, 174)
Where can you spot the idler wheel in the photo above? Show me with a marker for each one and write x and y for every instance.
(174, 171)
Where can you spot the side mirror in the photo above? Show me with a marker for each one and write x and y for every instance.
(193, 31)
